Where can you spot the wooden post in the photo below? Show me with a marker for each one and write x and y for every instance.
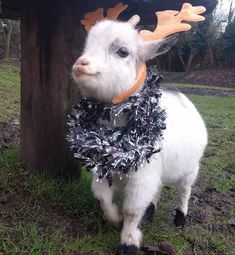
(51, 39)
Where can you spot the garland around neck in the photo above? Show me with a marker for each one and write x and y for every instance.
(108, 150)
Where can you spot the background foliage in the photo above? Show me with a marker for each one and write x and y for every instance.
(9, 38)
(206, 45)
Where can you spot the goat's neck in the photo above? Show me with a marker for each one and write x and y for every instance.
(140, 78)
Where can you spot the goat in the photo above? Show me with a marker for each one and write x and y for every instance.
(107, 67)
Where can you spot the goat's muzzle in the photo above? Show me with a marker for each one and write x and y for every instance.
(81, 67)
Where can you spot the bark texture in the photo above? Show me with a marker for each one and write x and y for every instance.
(51, 39)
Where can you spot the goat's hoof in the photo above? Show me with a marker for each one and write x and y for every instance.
(124, 249)
(180, 219)
(149, 213)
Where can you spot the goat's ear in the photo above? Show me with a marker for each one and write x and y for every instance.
(134, 20)
(151, 49)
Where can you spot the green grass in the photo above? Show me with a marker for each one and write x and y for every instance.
(219, 115)
(9, 91)
(39, 215)
(74, 197)
(76, 201)
(185, 85)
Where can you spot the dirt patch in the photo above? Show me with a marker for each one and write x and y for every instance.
(9, 133)
(209, 211)
(214, 77)
(212, 205)
(10, 61)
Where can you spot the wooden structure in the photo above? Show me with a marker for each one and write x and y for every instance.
(52, 38)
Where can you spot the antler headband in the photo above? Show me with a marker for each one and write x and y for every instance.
(169, 22)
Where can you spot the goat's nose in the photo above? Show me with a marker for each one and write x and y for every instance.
(82, 62)
(81, 67)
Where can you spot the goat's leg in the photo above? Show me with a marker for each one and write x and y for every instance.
(104, 193)
(184, 188)
(149, 213)
(140, 191)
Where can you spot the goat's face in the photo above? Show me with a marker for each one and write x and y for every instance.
(111, 57)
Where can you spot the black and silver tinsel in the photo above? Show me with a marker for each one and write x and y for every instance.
(107, 150)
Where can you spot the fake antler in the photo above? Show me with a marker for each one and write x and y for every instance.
(91, 18)
(169, 22)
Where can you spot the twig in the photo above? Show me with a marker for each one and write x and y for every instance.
(194, 246)
(195, 218)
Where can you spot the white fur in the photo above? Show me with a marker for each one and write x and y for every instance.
(111, 74)
(185, 137)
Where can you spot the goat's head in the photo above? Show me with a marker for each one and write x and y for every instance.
(112, 56)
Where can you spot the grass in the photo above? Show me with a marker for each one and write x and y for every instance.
(9, 91)
(185, 85)
(50, 216)
(219, 115)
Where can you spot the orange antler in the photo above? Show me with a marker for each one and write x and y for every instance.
(169, 22)
(114, 12)
(91, 18)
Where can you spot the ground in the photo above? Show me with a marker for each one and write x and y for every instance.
(9, 103)
(40, 215)
(222, 77)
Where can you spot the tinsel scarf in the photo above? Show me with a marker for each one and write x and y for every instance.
(108, 150)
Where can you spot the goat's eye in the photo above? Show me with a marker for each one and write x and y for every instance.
(123, 52)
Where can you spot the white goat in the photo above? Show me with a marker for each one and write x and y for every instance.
(108, 66)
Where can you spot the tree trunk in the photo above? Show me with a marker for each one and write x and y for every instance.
(211, 56)
(169, 63)
(182, 62)
(51, 39)
(208, 59)
(158, 64)
(189, 62)
(8, 38)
